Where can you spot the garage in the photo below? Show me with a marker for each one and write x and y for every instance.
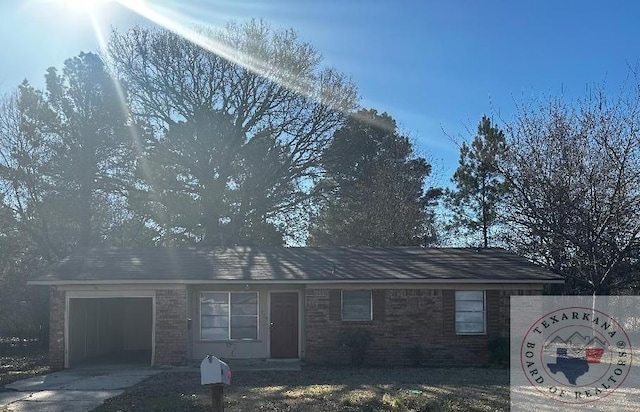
(110, 330)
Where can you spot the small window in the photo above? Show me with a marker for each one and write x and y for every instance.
(229, 316)
(356, 305)
(470, 312)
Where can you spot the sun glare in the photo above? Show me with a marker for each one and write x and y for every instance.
(84, 6)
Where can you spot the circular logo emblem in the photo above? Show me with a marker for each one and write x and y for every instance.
(576, 355)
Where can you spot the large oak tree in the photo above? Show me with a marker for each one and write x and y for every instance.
(237, 129)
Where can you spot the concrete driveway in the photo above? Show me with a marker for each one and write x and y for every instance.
(74, 390)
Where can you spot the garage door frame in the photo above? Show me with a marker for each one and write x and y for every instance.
(109, 294)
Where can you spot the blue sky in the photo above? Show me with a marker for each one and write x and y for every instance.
(435, 66)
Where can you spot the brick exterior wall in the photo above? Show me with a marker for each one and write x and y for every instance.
(56, 328)
(402, 319)
(171, 327)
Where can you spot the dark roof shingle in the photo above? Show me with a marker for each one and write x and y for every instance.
(297, 264)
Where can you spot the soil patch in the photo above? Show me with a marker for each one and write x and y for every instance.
(21, 359)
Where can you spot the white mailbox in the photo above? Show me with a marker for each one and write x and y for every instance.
(213, 370)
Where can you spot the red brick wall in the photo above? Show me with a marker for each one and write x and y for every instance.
(56, 328)
(171, 327)
(505, 307)
(402, 318)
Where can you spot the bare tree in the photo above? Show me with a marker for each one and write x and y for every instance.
(239, 122)
(574, 203)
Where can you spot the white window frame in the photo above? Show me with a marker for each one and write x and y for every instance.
(356, 319)
(484, 312)
(229, 293)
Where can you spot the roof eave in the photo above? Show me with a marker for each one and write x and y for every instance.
(287, 281)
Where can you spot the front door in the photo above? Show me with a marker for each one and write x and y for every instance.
(284, 325)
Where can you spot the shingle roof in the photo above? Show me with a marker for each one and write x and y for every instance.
(298, 264)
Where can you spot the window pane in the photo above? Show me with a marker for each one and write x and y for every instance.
(477, 317)
(244, 327)
(353, 312)
(215, 297)
(469, 295)
(244, 322)
(244, 297)
(214, 316)
(360, 297)
(215, 334)
(356, 305)
(218, 309)
(244, 333)
(469, 327)
(215, 321)
(470, 305)
(215, 309)
(470, 313)
(244, 309)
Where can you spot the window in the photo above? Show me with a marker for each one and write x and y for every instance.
(470, 310)
(228, 315)
(356, 305)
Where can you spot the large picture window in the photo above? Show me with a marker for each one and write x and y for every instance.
(356, 305)
(228, 315)
(470, 312)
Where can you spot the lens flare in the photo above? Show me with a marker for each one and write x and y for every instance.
(83, 6)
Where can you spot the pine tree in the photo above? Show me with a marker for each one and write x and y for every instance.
(373, 188)
(479, 184)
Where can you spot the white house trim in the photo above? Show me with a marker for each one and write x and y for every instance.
(292, 282)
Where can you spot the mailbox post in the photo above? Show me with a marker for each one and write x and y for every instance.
(216, 373)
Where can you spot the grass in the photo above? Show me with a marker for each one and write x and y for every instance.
(326, 389)
(312, 389)
(21, 359)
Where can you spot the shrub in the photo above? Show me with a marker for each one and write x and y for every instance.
(499, 351)
(416, 354)
(357, 340)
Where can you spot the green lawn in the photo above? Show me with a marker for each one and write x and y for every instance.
(327, 389)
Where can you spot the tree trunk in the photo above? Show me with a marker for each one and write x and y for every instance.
(485, 224)
(211, 212)
(86, 173)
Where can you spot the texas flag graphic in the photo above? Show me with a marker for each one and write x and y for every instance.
(573, 355)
